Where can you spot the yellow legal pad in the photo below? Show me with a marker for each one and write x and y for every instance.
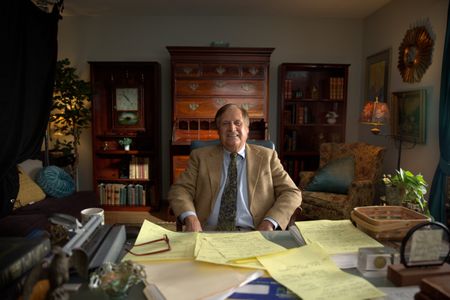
(310, 273)
(335, 236)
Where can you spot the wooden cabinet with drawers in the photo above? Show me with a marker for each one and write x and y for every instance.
(206, 78)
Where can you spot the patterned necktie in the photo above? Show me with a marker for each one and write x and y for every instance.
(227, 213)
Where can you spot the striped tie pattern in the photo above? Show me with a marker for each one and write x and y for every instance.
(227, 213)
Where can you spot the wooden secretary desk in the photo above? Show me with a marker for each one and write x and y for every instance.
(206, 78)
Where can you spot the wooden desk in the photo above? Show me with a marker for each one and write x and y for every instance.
(283, 238)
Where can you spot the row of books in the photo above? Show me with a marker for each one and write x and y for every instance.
(288, 89)
(291, 141)
(336, 88)
(118, 194)
(139, 167)
(297, 114)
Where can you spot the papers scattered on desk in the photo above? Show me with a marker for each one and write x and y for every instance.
(234, 249)
(201, 265)
(309, 272)
(336, 237)
(340, 239)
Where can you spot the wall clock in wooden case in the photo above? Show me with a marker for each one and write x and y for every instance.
(128, 108)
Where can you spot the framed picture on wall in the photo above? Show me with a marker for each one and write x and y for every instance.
(409, 116)
(377, 76)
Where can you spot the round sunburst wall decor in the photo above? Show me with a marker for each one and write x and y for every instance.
(414, 54)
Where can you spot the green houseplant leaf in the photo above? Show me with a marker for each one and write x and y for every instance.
(411, 188)
(70, 111)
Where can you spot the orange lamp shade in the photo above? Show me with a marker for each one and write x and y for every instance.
(376, 114)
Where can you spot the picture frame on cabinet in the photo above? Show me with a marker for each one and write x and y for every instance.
(377, 76)
(127, 104)
(409, 116)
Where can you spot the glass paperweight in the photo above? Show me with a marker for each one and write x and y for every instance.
(373, 261)
(116, 279)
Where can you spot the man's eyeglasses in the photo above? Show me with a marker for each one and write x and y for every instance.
(165, 238)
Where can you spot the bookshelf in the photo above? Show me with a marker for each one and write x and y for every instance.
(126, 104)
(312, 106)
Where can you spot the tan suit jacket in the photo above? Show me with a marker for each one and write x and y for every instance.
(271, 191)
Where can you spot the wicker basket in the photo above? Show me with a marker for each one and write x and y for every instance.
(386, 222)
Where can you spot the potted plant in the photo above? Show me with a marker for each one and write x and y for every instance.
(70, 114)
(125, 143)
(406, 189)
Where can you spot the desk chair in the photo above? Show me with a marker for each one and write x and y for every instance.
(265, 143)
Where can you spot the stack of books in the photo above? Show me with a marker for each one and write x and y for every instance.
(336, 88)
(18, 255)
(117, 194)
(139, 167)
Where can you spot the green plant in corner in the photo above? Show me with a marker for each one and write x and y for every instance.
(70, 112)
(410, 188)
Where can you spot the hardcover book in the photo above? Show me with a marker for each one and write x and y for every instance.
(18, 255)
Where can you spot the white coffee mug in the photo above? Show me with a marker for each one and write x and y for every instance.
(88, 213)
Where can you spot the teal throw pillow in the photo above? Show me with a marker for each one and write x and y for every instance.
(334, 177)
(55, 182)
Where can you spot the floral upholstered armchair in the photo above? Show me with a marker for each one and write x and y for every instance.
(364, 165)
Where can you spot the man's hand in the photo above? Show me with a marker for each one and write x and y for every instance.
(265, 226)
(192, 224)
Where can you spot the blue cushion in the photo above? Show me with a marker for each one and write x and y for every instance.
(334, 177)
(55, 182)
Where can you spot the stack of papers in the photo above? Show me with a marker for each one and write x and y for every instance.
(340, 239)
(189, 280)
(215, 265)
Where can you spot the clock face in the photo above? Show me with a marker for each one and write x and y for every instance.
(127, 99)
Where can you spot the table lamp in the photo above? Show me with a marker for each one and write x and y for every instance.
(376, 114)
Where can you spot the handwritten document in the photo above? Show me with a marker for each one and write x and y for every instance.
(309, 272)
(336, 237)
(208, 253)
(182, 244)
(218, 248)
(243, 245)
(426, 245)
(236, 249)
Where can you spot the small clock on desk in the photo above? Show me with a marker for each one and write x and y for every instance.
(128, 108)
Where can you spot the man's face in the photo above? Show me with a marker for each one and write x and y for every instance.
(233, 131)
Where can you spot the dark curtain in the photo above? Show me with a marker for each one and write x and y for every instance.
(437, 193)
(29, 50)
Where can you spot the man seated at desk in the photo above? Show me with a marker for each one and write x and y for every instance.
(234, 185)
